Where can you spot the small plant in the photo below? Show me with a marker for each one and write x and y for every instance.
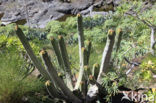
(148, 67)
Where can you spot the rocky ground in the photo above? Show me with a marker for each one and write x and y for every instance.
(37, 13)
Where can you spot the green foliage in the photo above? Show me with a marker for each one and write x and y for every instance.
(151, 95)
(95, 57)
(13, 87)
(148, 67)
(134, 27)
(7, 30)
(31, 33)
(98, 35)
(54, 28)
(143, 75)
(146, 75)
(12, 43)
(136, 35)
(92, 29)
(111, 85)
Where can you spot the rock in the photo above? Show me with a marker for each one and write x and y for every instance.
(64, 8)
(1, 11)
(37, 13)
(92, 93)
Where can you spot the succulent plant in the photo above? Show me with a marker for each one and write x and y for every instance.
(65, 89)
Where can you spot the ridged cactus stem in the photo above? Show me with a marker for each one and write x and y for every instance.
(107, 54)
(60, 83)
(88, 47)
(81, 46)
(85, 79)
(30, 52)
(66, 61)
(116, 46)
(95, 70)
(32, 56)
(87, 71)
(153, 42)
(118, 39)
(81, 72)
(80, 35)
(52, 90)
(48, 64)
(57, 51)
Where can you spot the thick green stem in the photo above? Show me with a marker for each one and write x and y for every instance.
(95, 70)
(54, 76)
(30, 52)
(52, 90)
(80, 35)
(107, 54)
(57, 51)
(118, 39)
(32, 56)
(81, 72)
(81, 45)
(66, 61)
(116, 46)
(88, 47)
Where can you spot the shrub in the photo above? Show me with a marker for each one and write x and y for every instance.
(12, 43)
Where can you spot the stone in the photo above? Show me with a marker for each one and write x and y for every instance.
(37, 13)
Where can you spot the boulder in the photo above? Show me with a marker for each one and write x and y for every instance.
(37, 13)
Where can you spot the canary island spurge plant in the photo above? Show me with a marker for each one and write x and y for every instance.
(65, 87)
